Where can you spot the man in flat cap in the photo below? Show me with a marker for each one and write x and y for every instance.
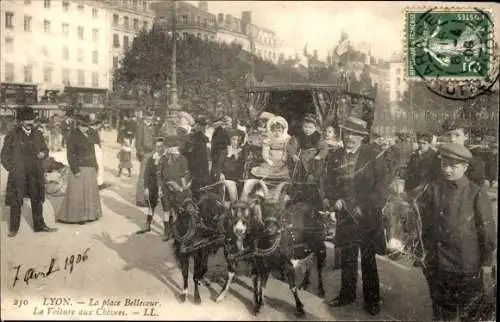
(22, 156)
(459, 238)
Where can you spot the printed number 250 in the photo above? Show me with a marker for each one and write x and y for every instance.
(20, 302)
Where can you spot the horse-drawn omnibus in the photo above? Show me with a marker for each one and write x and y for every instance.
(331, 103)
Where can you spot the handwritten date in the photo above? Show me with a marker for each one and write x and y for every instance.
(33, 273)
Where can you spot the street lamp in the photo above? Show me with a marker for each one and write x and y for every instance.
(174, 102)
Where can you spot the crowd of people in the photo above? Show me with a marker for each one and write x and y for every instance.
(349, 171)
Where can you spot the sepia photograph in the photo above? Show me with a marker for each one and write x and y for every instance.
(249, 160)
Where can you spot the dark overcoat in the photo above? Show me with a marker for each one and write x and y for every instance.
(458, 229)
(196, 152)
(13, 162)
(368, 190)
(220, 140)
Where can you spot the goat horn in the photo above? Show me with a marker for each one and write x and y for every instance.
(248, 186)
(278, 193)
(231, 189)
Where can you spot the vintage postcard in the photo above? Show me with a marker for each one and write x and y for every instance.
(248, 160)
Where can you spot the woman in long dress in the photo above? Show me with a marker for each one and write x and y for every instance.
(82, 202)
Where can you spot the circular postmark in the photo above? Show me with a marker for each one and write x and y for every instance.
(453, 51)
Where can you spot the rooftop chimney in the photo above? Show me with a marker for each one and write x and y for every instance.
(203, 5)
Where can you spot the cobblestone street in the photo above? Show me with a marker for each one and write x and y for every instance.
(122, 265)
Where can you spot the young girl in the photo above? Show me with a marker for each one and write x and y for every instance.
(125, 158)
(274, 151)
(331, 139)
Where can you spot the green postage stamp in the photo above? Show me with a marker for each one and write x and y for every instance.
(448, 43)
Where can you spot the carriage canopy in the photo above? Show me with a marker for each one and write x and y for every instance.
(331, 103)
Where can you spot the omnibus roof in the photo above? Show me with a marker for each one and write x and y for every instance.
(303, 87)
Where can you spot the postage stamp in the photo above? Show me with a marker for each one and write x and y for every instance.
(452, 50)
(449, 43)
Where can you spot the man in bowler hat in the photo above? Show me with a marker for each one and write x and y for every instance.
(356, 185)
(458, 233)
(22, 156)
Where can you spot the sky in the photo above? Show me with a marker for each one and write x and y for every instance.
(318, 24)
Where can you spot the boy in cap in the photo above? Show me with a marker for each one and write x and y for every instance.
(151, 188)
(459, 237)
(455, 131)
(308, 151)
(174, 181)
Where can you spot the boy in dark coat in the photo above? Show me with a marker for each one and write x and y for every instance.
(151, 188)
(174, 180)
(419, 166)
(22, 156)
(458, 233)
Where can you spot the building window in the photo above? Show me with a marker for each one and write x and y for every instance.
(80, 33)
(134, 3)
(125, 42)
(185, 19)
(80, 8)
(65, 29)
(9, 44)
(95, 12)
(198, 20)
(81, 77)
(47, 74)
(65, 5)
(28, 74)
(125, 23)
(145, 5)
(145, 25)
(116, 20)
(95, 57)
(96, 98)
(9, 72)
(65, 53)
(115, 62)
(205, 22)
(95, 79)
(9, 20)
(46, 4)
(116, 40)
(80, 55)
(95, 34)
(125, 3)
(65, 77)
(136, 24)
(27, 2)
(206, 37)
(45, 52)
(46, 26)
(80, 98)
(27, 23)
